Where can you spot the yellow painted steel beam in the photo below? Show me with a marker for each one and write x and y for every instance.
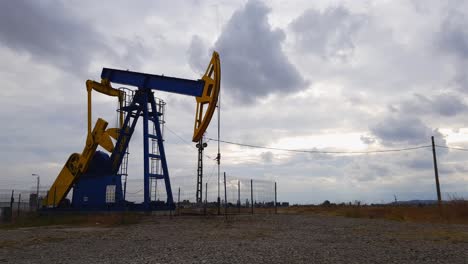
(209, 97)
(103, 87)
(76, 165)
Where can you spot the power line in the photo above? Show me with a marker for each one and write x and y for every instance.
(316, 151)
(211, 174)
(321, 151)
(186, 142)
(454, 148)
(181, 138)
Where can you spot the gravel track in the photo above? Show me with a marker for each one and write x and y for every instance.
(241, 239)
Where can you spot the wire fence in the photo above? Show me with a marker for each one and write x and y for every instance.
(231, 196)
(239, 193)
(14, 203)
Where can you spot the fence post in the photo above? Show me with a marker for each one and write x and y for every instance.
(47, 199)
(178, 203)
(436, 172)
(206, 198)
(55, 194)
(12, 199)
(225, 196)
(276, 203)
(251, 196)
(238, 196)
(19, 204)
(219, 198)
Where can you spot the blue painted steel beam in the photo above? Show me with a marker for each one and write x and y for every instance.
(154, 82)
(162, 153)
(146, 164)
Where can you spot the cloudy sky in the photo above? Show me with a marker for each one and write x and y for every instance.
(322, 75)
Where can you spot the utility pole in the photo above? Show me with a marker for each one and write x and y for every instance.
(218, 157)
(436, 172)
(200, 145)
(219, 198)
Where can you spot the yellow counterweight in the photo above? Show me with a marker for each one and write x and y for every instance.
(77, 164)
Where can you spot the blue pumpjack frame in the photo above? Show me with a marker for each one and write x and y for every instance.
(139, 107)
(154, 82)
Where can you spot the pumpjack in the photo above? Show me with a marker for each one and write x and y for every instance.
(96, 176)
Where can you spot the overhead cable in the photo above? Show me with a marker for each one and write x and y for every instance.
(186, 142)
(454, 148)
(322, 151)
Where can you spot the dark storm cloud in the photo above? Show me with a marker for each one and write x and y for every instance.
(448, 105)
(403, 129)
(454, 33)
(328, 34)
(254, 65)
(453, 40)
(442, 104)
(49, 32)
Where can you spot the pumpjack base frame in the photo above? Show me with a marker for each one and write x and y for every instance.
(130, 207)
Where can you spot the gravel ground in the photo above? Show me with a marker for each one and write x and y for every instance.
(241, 239)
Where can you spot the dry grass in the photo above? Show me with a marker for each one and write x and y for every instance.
(454, 212)
(230, 211)
(75, 219)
